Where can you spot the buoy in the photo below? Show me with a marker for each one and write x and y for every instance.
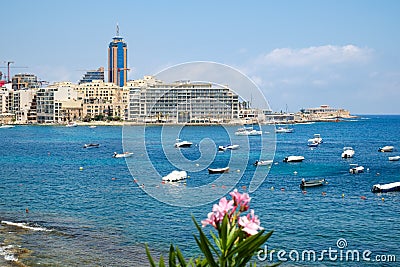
(224, 186)
(27, 210)
(342, 195)
(188, 176)
(383, 199)
(282, 189)
(272, 188)
(363, 197)
(304, 192)
(238, 170)
(378, 174)
(81, 168)
(244, 187)
(197, 164)
(113, 178)
(323, 193)
(134, 180)
(295, 172)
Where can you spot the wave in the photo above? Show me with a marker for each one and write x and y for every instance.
(26, 226)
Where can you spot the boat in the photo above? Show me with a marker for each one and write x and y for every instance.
(6, 126)
(231, 147)
(395, 158)
(317, 138)
(175, 176)
(354, 168)
(284, 130)
(123, 155)
(311, 183)
(348, 152)
(92, 126)
(91, 145)
(218, 170)
(312, 143)
(384, 188)
(183, 144)
(386, 149)
(293, 159)
(248, 131)
(71, 124)
(263, 162)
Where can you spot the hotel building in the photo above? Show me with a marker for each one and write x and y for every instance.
(118, 61)
(152, 100)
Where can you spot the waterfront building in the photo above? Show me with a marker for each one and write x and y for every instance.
(59, 103)
(118, 60)
(25, 81)
(92, 75)
(326, 112)
(24, 105)
(104, 99)
(151, 100)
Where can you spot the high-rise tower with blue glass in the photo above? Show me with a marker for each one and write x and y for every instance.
(118, 60)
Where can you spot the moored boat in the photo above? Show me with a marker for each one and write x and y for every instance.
(248, 131)
(123, 155)
(284, 130)
(293, 159)
(6, 126)
(384, 188)
(312, 143)
(183, 144)
(317, 139)
(218, 170)
(354, 168)
(395, 158)
(263, 162)
(348, 152)
(312, 183)
(71, 124)
(386, 149)
(91, 145)
(175, 176)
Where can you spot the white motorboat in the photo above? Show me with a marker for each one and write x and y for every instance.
(386, 149)
(284, 130)
(263, 162)
(354, 168)
(6, 126)
(248, 131)
(395, 158)
(293, 159)
(123, 155)
(231, 147)
(92, 126)
(384, 188)
(71, 124)
(175, 176)
(348, 152)
(91, 145)
(317, 138)
(183, 144)
(312, 143)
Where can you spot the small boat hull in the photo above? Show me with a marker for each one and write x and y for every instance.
(263, 162)
(123, 155)
(293, 159)
(175, 176)
(219, 170)
(396, 158)
(312, 183)
(183, 144)
(91, 145)
(386, 149)
(385, 188)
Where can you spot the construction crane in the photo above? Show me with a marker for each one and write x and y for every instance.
(8, 69)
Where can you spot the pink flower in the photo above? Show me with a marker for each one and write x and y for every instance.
(250, 223)
(222, 208)
(211, 220)
(241, 200)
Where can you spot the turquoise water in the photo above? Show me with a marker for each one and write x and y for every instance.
(86, 210)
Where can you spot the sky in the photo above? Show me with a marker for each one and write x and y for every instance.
(301, 54)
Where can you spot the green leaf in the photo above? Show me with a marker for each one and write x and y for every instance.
(180, 257)
(205, 245)
(152, 263)
(250, 245)
(161, 263)
(172, 260)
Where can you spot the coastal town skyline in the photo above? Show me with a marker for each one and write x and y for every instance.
(342, 54)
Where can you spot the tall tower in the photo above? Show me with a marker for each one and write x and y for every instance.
(117, 60)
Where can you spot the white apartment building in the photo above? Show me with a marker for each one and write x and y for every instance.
(152, 100)
(58, 103)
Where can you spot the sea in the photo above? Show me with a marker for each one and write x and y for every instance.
(65, 205)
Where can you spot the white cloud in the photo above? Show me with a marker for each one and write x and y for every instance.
(314, 56)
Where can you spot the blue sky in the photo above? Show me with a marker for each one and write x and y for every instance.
(300, 53)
